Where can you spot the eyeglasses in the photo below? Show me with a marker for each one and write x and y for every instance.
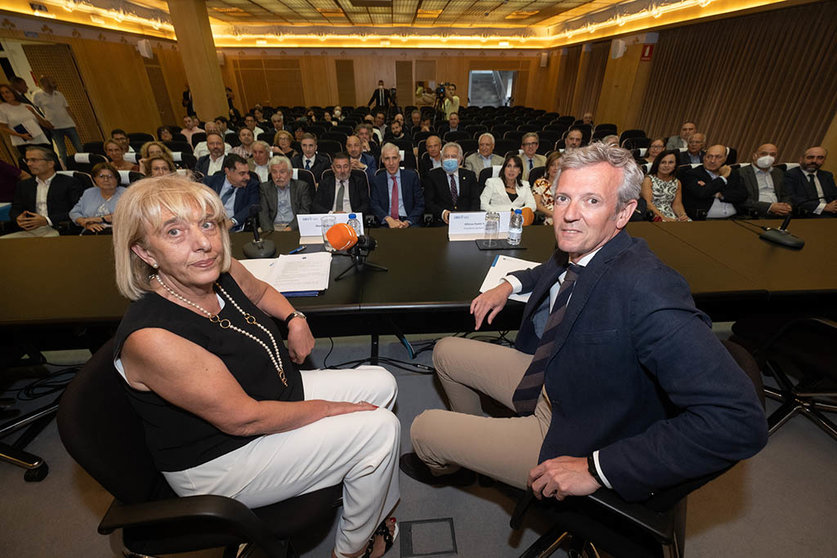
(33, 160)
(530, 143)
(107, 176)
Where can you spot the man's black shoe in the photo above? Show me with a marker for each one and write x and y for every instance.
(415, 468)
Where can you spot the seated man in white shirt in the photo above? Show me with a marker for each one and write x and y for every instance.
(250, 122)
(707, 193)
(485, 157)
(767, 195)
(201, 149)
(213, 161)
(258, 164)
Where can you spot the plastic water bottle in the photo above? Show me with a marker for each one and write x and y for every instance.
(354, 223)
(516, 227)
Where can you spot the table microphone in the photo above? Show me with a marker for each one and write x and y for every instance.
(258, 248)
(782, 236)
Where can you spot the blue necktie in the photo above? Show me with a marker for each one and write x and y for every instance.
(308, 164)
(227, 195)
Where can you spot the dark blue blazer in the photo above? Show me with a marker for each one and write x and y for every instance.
(371, 165)
(244, 197)
(411, 190)
(803, 195)
(637, 374)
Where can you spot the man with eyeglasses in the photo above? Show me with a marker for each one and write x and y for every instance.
(44, 201)
(531, 159)
(707, 193)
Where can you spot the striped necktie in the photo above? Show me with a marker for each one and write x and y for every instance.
(528, 391)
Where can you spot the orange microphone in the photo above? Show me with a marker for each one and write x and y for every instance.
(528, 216)
(341, 236)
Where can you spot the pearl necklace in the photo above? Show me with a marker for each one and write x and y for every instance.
(275, 356)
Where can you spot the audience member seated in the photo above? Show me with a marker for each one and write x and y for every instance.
(164, 134)
(767, 196)
(682, 141)
(259, 163)
(250, 124)
(694, 150)
(433, 146)
(415, 121)
(364, 132)
(396, 198)
(158, 165)
(226, 410)
(327, 118)
(261, 121)
(245, 149)
(360, 160)
(812, 189)
(201, 148)
(282, 144)
(238, 188)
(120, 136)
(543, 190)
(424, 125)
(116, 154)
(379, 126)
(395, 132)
(484, 157)
(43, 202)
(342, 191)
(191, 127)
(282, 197)
(337, 114)
(611, 140)
(530, 157)
(587, 119)
(224, 126)
(707, 195)
(507, 191)
(573, 139)
(309, 159)
(298, 128)
(21, 121)
(277, 120)
(452, 125)
(451, 187)
(152, 149)
(94, 210)
(662, 190)
(212, 162)
(657, 146)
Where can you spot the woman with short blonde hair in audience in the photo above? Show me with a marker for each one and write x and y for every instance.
(657, 146)
(662, 191)
(116, 155)
(158, 165)
(152, 149)
(94, 210)
(282, 144)
(544, 187)
(245, 150)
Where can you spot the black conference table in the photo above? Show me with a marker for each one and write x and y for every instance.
(50, 285)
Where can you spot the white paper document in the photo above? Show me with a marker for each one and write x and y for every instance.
(293, 273)
(502, 266)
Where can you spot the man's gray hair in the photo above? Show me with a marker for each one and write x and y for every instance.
(616, 157)
(456, 146)
(264, 144)
(390, 147)
(487, 135)
(280, 160)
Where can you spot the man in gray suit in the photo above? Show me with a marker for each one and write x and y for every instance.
(766, 194)
(282, 198)
(485, 157)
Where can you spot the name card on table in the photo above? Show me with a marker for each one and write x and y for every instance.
(311, 225)
(470, 225)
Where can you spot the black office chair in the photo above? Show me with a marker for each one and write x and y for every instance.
(306, 176)
(800, 356)
(535, 174)
(604, 521)
(97, 147)
(183, 146)
(489, 172)
(101, 431)
(126, 178)
(140, 137)
(184, 160)
(84, 162)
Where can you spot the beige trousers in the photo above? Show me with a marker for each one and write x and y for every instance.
(505, 449)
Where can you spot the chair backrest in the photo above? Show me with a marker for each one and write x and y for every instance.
(305, 175)
(535, 174)
(101, 431)
(94, 147)
(488, 172)
(179, 146)
(127, 178)
(140, 136)
(84, 162)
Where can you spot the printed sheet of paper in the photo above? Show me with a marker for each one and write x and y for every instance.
(293, 273)
(502, 266)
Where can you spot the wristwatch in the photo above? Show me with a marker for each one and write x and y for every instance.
(295, 314)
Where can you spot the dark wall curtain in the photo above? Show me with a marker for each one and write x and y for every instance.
(590, 79)
(567, 74)
(767, 77)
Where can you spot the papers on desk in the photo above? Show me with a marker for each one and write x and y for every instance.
(293, 274)
(502, 266)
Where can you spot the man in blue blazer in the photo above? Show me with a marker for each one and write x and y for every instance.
(238, 188)
(813, 191)
(406, 208)
(360, 160)
(628, 387)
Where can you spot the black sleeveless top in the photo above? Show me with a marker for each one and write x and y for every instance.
(178, 439)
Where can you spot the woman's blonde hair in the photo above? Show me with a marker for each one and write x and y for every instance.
(161, 145)
(143, 209)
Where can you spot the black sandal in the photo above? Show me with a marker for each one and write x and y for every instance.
(382, 531)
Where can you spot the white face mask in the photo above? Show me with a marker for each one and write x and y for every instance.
(765, 162)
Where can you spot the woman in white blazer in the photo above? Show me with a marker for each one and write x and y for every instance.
(507, 191)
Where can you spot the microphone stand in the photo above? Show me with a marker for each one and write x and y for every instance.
(259, 247)
(358, 255)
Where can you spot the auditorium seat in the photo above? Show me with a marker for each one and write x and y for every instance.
(456, 136)
(84, 162)
(636, 143)
(634, 133)
(198, 137)
(83, 177)
(514, 135)
(94, 147)
(306, 176)
(339, 137)
(468, 144)
(184, 160)
(140, 136)
(126, 178)
(503, 146)
(183, 146)
(329, 146)
(489, 172)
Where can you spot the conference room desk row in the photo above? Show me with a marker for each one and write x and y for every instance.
(59, 284)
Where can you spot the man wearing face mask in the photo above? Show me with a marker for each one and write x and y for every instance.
(451, 188)
(763, 183)
(812, 189)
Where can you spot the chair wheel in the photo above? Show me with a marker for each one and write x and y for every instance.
(37, 474)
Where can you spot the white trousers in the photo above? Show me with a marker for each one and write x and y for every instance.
(358, 449)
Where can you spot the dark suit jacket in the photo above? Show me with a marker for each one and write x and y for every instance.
(300, 202)
(745, 177)
(321, 163)
(683, 158)
(637, 374)
(425, 164)
(202, 166)
(244, 197)
(376, 100)
(358, 193)
(437, 192)
(64, 192)
(371, 165)
(699, 191)
(803, 195)
(411, 190)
